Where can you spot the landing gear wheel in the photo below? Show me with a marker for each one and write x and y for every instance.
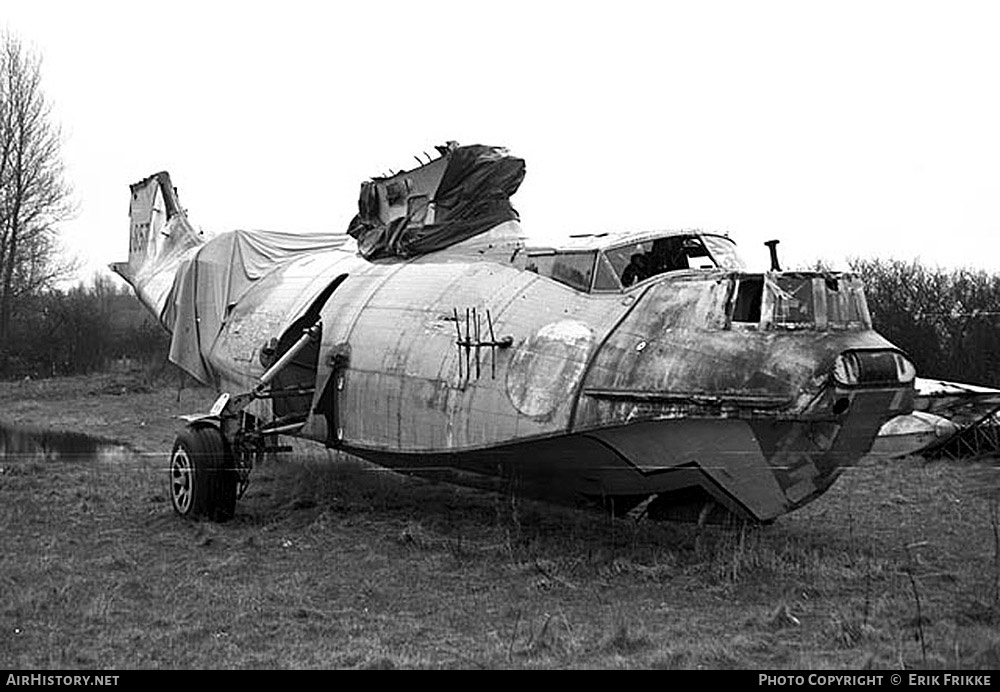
(203, 477)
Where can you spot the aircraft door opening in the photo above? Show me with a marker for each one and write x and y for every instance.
(295, 384)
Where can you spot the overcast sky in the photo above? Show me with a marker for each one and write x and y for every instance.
(842, 128)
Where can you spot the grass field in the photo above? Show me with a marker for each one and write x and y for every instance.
(333, 563)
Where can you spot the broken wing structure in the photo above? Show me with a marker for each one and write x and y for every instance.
(949, 419)
(648, 373)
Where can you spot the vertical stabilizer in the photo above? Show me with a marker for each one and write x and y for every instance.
(160, 238)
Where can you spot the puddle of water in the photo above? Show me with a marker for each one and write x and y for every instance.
(24, 443)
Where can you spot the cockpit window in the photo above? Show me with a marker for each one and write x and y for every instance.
(631, 263)
(793, 300)
(639, 261)
(575, 269)
(749, 294)
(845, 302)
(626, 265)
(606, 279)
(724, 252)
(800, 300)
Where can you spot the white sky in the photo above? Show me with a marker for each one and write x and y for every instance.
(842, 128)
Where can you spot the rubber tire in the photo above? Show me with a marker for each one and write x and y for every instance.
(203, 477)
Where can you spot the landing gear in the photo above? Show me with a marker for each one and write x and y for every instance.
(203, 477)
(212, 458)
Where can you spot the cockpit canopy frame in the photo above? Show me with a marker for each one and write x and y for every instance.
(614, 263)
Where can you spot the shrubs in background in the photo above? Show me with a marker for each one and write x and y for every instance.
(947, 320)
(80, 330)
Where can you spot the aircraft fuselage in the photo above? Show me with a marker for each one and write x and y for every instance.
(661, 395)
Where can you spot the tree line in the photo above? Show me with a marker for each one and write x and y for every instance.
(81, 329)
(948, 321)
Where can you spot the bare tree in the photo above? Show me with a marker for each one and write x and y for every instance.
(33, 194)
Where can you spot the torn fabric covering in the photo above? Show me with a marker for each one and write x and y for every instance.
(217, 275)
(189, 282)
(460, 195)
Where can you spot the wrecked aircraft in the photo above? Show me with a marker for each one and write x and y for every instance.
(950, 418)
(648, 373)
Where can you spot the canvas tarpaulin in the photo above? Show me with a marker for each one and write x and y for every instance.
(190, 283)
(215, 277)
(460, 195)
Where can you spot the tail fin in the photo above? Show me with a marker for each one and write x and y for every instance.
(161, 238)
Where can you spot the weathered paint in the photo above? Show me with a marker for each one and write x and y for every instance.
(662, 391)
(403, 389)
(652, 395)
(656, 394)
(725, 450)
(548, 365)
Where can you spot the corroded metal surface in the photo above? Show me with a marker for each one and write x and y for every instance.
(692, 386)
